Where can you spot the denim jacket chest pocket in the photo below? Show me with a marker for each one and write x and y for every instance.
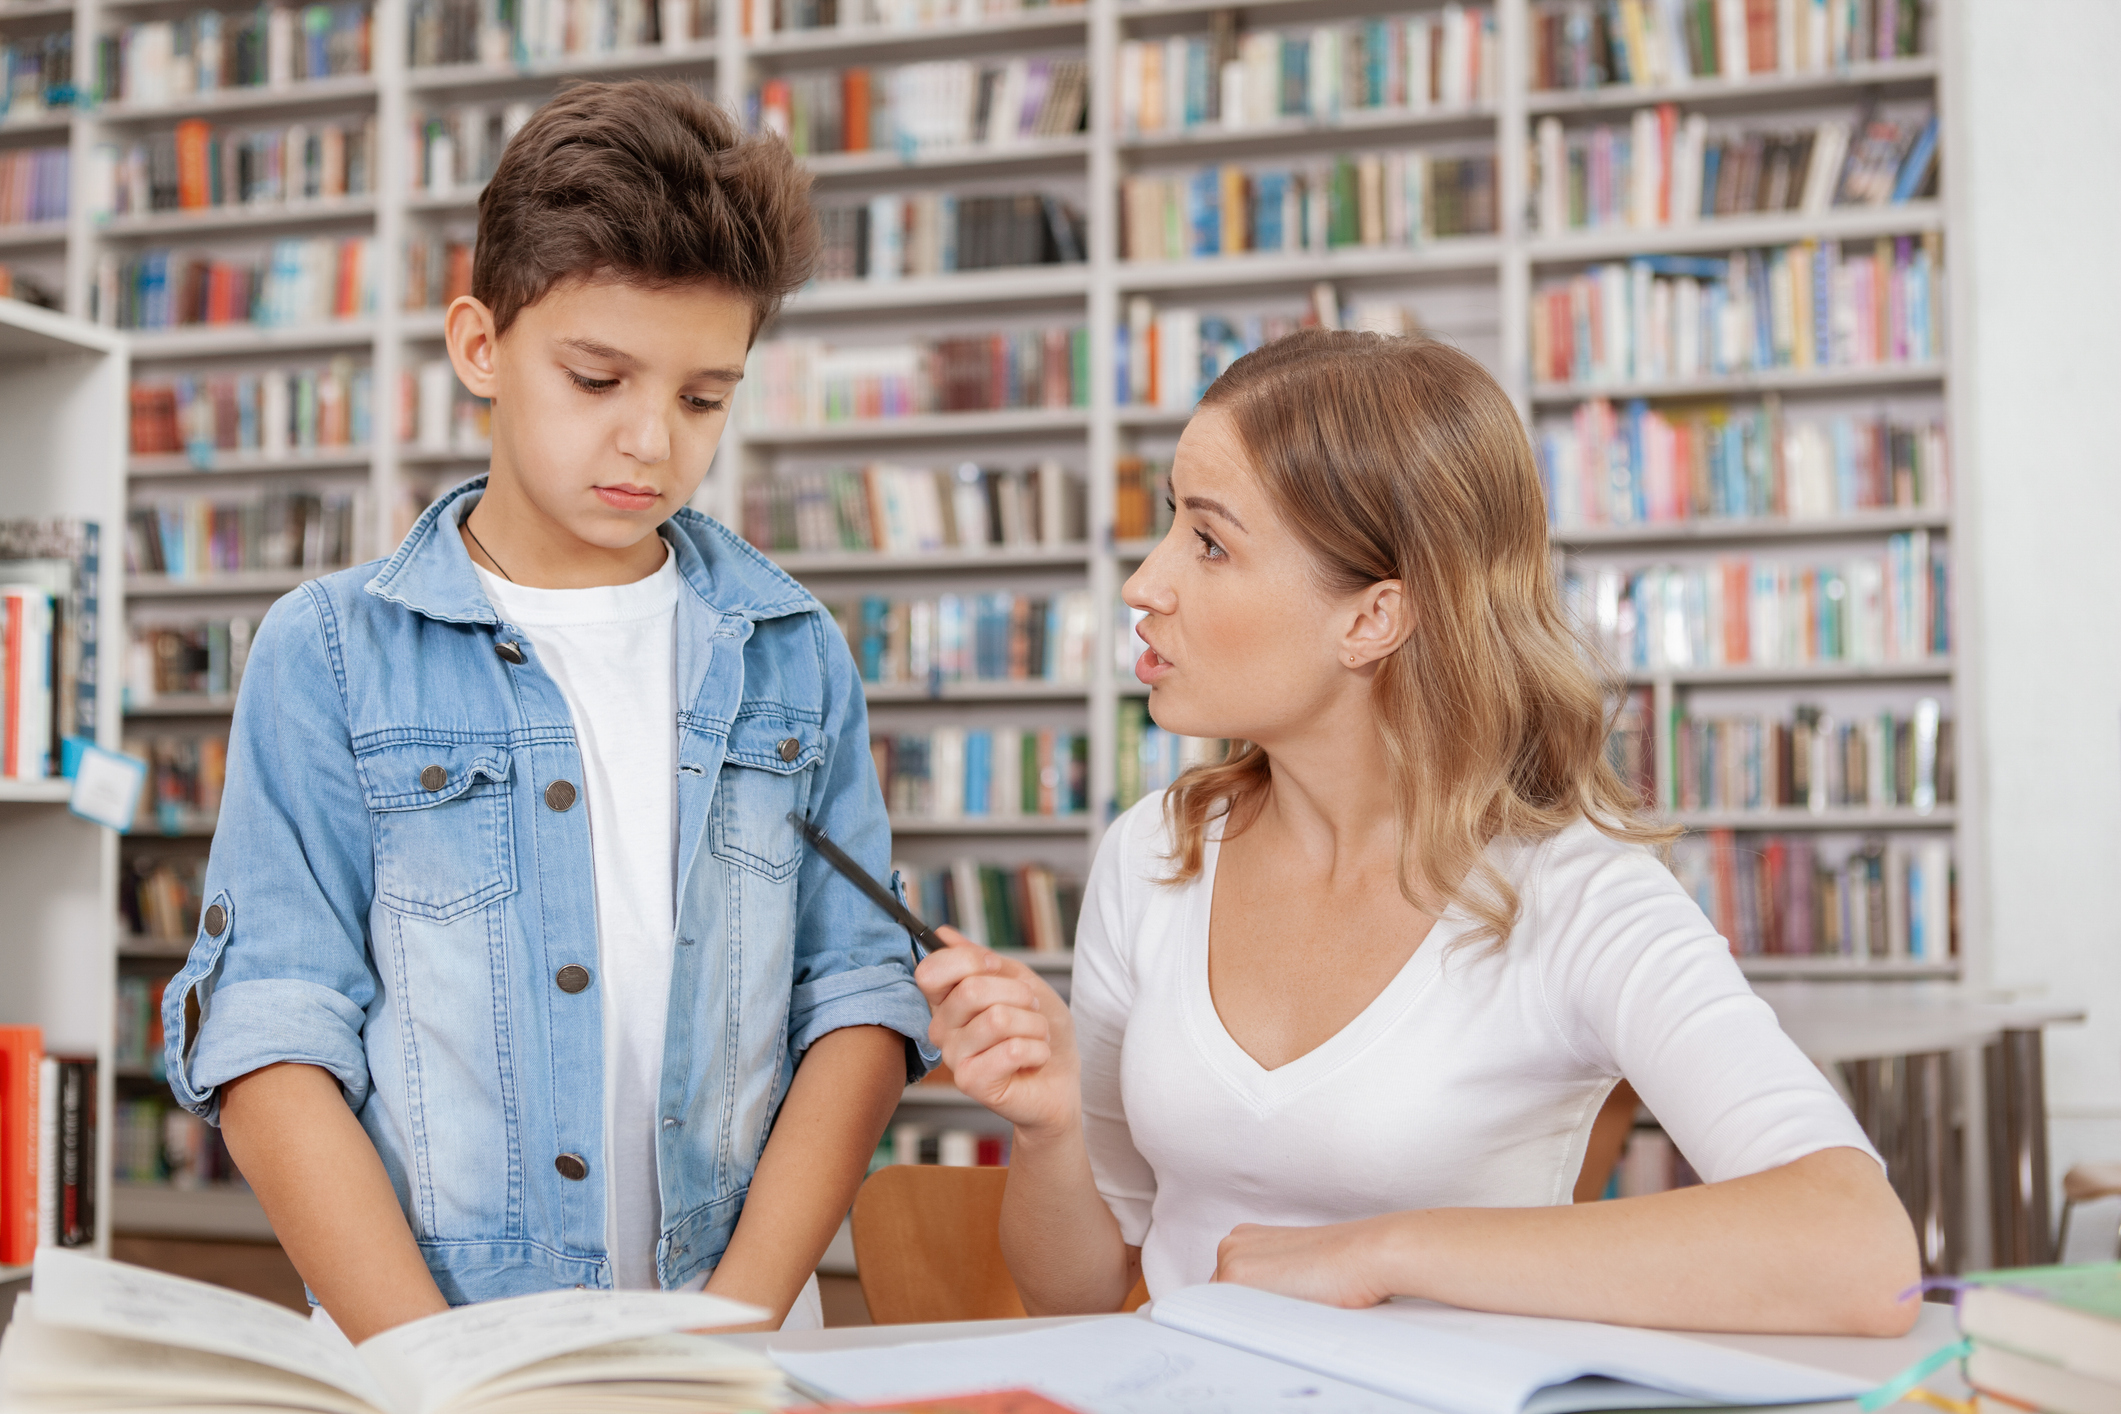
(767, 772)
(444, 843)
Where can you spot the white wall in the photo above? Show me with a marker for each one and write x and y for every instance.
(2036, 168)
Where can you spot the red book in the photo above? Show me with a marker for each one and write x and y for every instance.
(21, 1054)
(11, 684)
(854, 105)
(194, 187)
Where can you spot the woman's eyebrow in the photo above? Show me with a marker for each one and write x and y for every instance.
(1213, 507)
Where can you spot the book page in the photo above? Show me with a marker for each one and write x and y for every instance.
(85, 1293)
(1475, 1362)
(1115, 1365)
(426, 1363)
(697, 1368)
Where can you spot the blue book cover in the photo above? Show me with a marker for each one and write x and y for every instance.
(1200, 78)
(1373, 49)
(1269, 192)
(1295, 76)
(1915, 169)
(1204, 211)
(979, 771)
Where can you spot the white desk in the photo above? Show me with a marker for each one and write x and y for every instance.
(1875, 1361)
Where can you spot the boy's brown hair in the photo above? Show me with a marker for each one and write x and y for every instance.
(648, 182)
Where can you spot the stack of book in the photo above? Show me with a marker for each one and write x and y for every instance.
(944, 105)
(2044, 1338)
(1802, 306)
(812, 383)
(1786, 896)
(1372, 199)
(458, 148)
(1813, 760)
(1637, 466)
(994, 636)
(196, 659)
(299, 283)
(160, 898)
(1168, 357)
(33, 185)
(37, 73)
(268, 414)
(198, 537)
(48, 642)
(1442, 59)
(903, 510)
(1141, 505)
(48, 1194)
(911, 1143)
(1026, 907)
(1651, 43)
(902, 234)
(1665, 170)
(1889, 608)
(195, 167)
(500, 36)
(437, 270)
(762, 17)
(158, 62)
(153, 1141)
(960, 773)
(1148, 758)
(185, 774)
(437, 414)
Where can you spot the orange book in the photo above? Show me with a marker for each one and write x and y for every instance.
(854, 104)
(21, 1055)
(194, 165)
(1761, 33)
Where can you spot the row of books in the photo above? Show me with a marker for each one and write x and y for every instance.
(910, 1143)
(1441, 59)
(1814, 760)
(457, 148)
(49, 659)
(499, 36)
(1866, 609)
(296, 283)
(160, 61)
(1166, 358)
(154, 1141)
(899, 235)
(938, 106)
(269, 414)
(1652, 43)
(1640, 466)
(811, 383)
(37, 74)
(994, 636)
(437, 270)
(1662, 170)
(198, 537)
(761, 17)
(960, 773)
(1374, 199)
(1146, 757)
(1789, 896)
(901, 510)
(185, 774)
(437, 414)
(136, 1035)
(196, 166)
(1831, 304)
(1024, 907)
(1141, 503)
(33, 185)
(203, 658)
(159, 897)
(48, 1184)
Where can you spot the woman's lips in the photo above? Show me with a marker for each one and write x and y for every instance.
(627, 498)
(1151, 666)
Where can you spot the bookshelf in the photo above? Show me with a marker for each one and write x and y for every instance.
(1478, 290)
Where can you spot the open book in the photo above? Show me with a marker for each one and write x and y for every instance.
(96, 1335)
(1234, 1347)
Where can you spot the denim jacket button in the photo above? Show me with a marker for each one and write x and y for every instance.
(571, 1166)
(572, 978)
(560, 795)
(215, 920)
(509, 653)
(433, 778)
(790, 749)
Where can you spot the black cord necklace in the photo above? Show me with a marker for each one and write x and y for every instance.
(486, 552)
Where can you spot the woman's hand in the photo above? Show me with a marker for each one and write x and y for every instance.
(1004, 1033)
(1331, 1265)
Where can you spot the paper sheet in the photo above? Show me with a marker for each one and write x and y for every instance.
(1120, 1365)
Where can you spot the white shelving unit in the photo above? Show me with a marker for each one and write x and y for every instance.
(1473, 290)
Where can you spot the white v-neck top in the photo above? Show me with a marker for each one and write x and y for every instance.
(1470, 1081)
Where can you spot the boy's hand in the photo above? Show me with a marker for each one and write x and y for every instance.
(1005, 1034)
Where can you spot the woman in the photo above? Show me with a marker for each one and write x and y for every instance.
(1347, 1005)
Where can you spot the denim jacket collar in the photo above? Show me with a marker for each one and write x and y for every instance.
(431, 573)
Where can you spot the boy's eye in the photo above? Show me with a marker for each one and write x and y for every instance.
(592, 385)
(700, 404)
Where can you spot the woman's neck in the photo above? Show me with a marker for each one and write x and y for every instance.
(1330, 793)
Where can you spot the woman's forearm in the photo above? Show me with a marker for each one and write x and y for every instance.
(322, 1185)
(1062, 1243)
(1819, 1246)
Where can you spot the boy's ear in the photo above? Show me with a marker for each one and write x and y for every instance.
(468, 331)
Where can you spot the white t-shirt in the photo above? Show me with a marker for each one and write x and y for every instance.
(1470, 1081)
(613, 652)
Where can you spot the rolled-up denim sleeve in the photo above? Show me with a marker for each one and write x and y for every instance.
(286, 977)
(853, 964)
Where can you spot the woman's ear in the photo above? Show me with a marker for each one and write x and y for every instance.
(1383, 620)
(469, 335)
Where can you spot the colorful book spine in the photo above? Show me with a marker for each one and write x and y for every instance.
(1150, 758)
(185, 776)
(34, 185)
(159, 62)
(1141, 498)
(1025, 907)
(942, 105)
(916, 510)
(198, 537)
(810, 383)
(1814, 760)
(1654, 43)
(266, 414)
(21, 1165)
(296, 284)
(995, 636)
(1032, 771)
(1871, 899)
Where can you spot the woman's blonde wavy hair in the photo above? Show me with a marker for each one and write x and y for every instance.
(1397, 458)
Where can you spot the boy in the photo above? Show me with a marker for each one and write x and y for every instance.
(513, 974)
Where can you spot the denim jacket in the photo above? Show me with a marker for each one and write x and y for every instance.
(392, 895)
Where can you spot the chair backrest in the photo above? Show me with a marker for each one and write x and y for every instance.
(928, 1247)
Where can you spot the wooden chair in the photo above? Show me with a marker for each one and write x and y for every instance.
(928, 1246)
(1609, 1136)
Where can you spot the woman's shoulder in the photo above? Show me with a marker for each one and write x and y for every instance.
(1577, 877)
